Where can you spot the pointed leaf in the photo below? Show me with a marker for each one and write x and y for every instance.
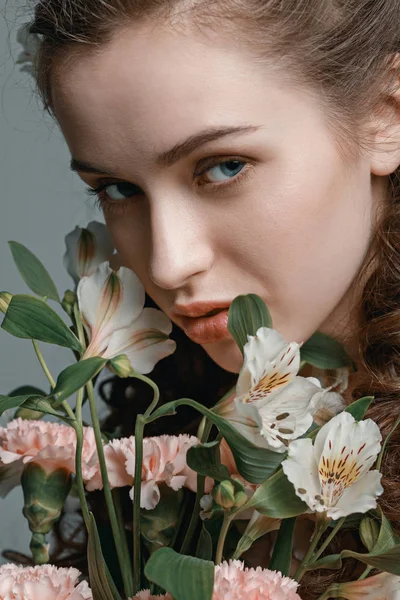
(204, 548)
(76, 376)
(277, 498)
(33, 272)
(322, 351)
(7, 402)
(31, 318)
(247, 314)
(44, 405)
(281, 559)
(184, 577)
(205, 459)
(359, 408)
(101, 583)
(253, 463)
(27, 389)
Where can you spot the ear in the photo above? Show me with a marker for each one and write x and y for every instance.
(385, 156)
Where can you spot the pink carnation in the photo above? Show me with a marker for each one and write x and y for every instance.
(164, 461)
(235, 582)
(44, 582)
(49, 444)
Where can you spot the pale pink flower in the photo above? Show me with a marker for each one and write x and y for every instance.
(379, 587)
(235, 582)
(50, 445)
(87, 249)
(146, 595)
(164, 461)
(44, 582)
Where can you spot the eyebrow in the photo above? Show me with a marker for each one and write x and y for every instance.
(179, 151)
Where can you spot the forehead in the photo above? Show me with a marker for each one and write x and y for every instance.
(148, 82)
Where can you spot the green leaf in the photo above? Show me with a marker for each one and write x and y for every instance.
(101, 582)
(44, 405)
(281, 558)
(33, 272)
(205, 459)
(358, 408)
(385, 555)
(369, 532)
(277, 498)
(7, 402)
(159, 526)
(30, 390)
(204, 548)
(31, 318)
(322, 351)
(76, 376)
(247, 314)
(253, 463)
(184, 577)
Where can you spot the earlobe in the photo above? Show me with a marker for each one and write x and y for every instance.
(385, 155)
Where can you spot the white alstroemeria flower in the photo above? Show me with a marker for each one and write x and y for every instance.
(273, 405)
(112, 304)
(334, 475)
(30, 43)
(87, 249)
(379, 587)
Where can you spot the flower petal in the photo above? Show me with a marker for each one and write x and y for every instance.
(109, 301)
(359, 497)
(302, 471)
(270, 363)
(145, 341)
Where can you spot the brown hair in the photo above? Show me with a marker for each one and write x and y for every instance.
(342, 49)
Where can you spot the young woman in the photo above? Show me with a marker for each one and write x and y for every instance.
(245, 146)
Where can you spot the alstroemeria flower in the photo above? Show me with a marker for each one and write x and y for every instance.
(50, 445)
(30, 43)
(233, 581)
(112, 304)
(334, 476)
(86, 249)
(164, 461)
(44, 582)
(273, 405)
(379, 587)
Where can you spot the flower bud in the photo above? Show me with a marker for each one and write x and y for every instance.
(224, 494)
(121, 366)
(240, 499)
(68, 302)
(5, 299)
(44, 497)
(29, 414)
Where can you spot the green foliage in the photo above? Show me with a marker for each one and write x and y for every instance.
(205, 459)
(281, 558)
(322, 351)
(101, 583)
(33, 272)
(76, 376)
(184, 577)
(359, 408)
(31, 318)
(277, 498)
(247, 314)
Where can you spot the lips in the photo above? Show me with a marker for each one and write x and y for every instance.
(204, 322)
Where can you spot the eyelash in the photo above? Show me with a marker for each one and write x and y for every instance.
(117, 206)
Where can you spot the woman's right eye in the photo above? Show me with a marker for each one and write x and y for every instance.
(121, 190)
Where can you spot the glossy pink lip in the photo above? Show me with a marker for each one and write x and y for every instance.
(200, 328)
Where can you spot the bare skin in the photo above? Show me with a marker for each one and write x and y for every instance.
(294, 220)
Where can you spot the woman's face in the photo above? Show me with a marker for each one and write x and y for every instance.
(266, 207)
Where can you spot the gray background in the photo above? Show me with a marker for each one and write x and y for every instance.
(40, 202)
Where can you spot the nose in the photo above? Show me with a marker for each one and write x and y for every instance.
(180, 249)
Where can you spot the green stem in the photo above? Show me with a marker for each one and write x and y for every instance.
(365, 573)
(320, 527)
(329, 538)
(78, 459)
(44, 366)
(118, 507)
(154, 386)
(222, 537)
(383, 449)
(137, 565)
(207, 426)
(79, 326)
(124, 566)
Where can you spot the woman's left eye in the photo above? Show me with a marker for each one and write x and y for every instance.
(228, 168)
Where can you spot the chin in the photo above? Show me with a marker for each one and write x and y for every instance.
(226, 354)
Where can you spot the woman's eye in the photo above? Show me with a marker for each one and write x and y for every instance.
(226, 169)
(122, 190)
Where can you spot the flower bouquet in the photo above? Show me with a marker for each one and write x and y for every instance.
(279, 468)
